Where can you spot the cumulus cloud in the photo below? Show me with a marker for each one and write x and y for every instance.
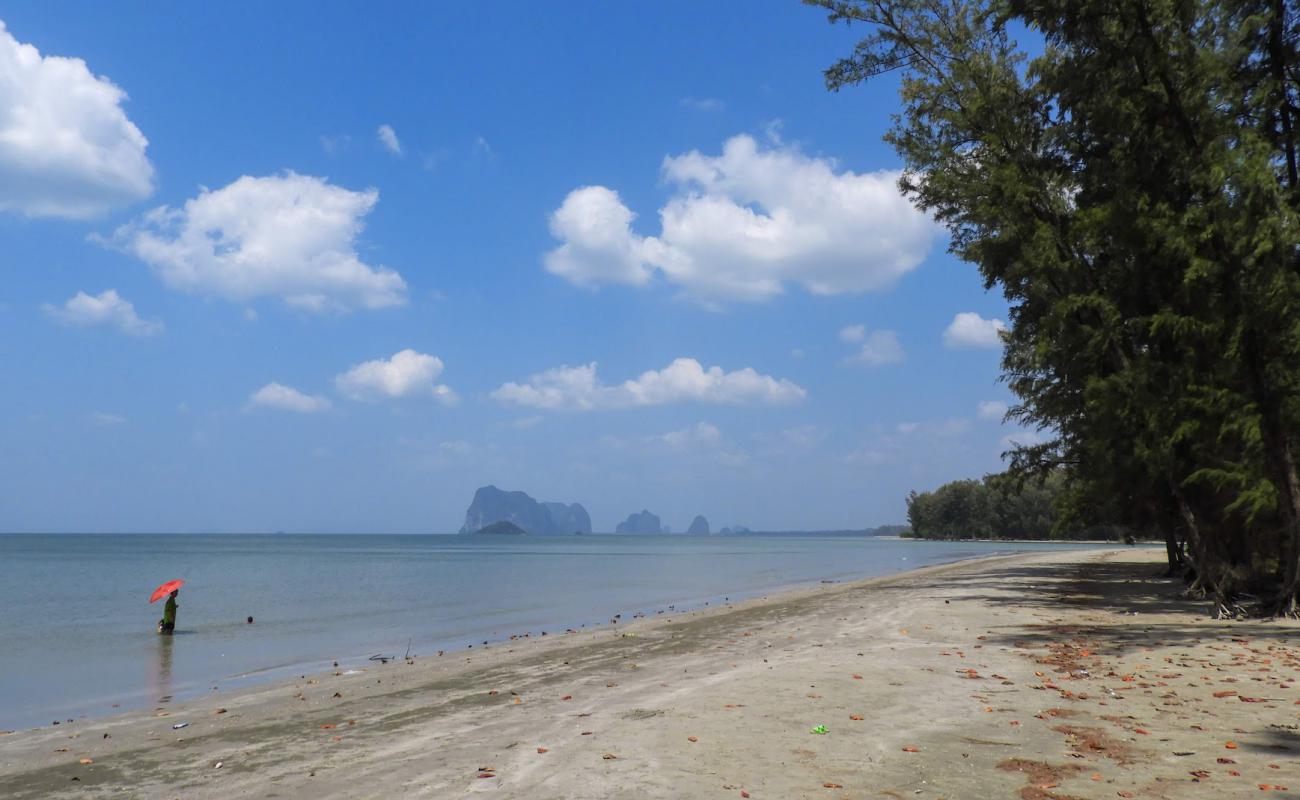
(388, 138)
(106, 308)
(969, 329)
(878, 348)
(991, 409)
(289, 236)
(743, 225)
(287, 398)
(406, 374)
(67, 148)
(684, 380)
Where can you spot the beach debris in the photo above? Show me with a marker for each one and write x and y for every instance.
(180, 725)
(744, 793)
(855, 717)
(829, 785)
(911, 749)
(87, 761)
(567, 697)
(327, 726)
(219, 765)
(820, 729)
(692, 739)
(219, 711)
(609, 757)
(543, 750)
(338, 695)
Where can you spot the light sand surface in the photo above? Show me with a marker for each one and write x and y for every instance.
(1070, 674)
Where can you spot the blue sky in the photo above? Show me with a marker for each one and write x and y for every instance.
(319, 267)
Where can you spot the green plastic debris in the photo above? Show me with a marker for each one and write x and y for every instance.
(820, 729)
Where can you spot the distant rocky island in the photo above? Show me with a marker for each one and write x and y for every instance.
(492, 505)
(641, 522)
(502, 528)
(699, 526)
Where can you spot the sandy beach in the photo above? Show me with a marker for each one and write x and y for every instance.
(1043, 676)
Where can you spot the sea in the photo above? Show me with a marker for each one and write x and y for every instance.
(78, 634)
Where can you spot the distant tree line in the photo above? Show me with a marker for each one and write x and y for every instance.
(1001, 506)
(1133, 189)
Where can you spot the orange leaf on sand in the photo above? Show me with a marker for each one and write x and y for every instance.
(1142, 731)
(910, 749)
(1228, 693)
(829, 785)
(543, 750)
(567, 697)
(609, 757)
(1096, 776)
(87, 761)
(855, 717)
(744, 793)
(1230, 745)
(692, 738)
(857, 677)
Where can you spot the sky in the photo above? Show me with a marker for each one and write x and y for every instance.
(331, 267)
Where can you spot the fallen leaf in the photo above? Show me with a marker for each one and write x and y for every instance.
(328, 725)
(910, 749)
(744, 793)
(855, 717)
(692, 738)
(857, 677)
(567, 697)
(1142, 731)
(543, 750)
(87, 761)
(609, 757)
(829, 785)
(1228, 693)
(1230, 745)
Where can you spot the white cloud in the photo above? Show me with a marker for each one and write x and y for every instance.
(704, 104)
(853, 333)
(286, 398)
(742, 225)
(106, 420)
(481, 146)
(388, 138)
(406, 374)
(991, 409)
(969, 329)
(289, 236)
(879, 348)
(702, 436)
(105, 308)
(67, 148)
(684, 380)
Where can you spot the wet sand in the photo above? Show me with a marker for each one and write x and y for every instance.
(1044, 676)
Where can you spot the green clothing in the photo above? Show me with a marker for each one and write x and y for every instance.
(169, 611)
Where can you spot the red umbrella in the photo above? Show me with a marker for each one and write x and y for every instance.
(164, 590)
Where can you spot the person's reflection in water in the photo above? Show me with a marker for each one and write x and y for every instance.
(162, 679)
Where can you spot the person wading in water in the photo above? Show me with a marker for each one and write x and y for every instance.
(167, 625)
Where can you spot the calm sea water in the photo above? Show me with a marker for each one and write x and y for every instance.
(77, 632)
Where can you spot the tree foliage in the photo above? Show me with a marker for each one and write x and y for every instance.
(1131, 188)
(1000, 506)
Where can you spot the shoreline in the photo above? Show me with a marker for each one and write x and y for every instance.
(718, 701)
(117, 699)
